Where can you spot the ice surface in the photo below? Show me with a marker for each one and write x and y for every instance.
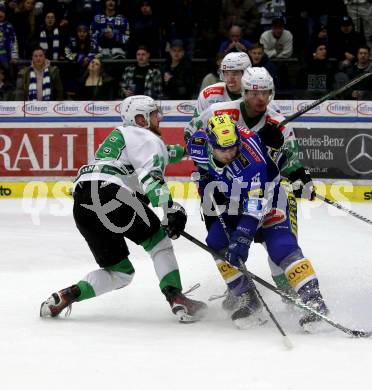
(128, 339)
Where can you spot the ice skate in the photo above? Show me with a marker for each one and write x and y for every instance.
(59, 301)
(230, 302)
(248, 313)
(310, 322)
(187, 310)
(311, 295)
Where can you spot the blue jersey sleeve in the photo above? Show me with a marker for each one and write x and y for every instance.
(259, 178)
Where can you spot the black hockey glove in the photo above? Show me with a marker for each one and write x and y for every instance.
(302, 184)
(175, 220)
(271, 134)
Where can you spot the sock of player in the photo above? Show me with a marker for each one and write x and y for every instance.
(101, 281)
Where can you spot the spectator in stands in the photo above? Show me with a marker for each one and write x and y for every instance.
(318, 75)
(8, 41)
(40, 80)
(363, 90)
(207, 20)
(348, 40)
(51, 39)
(277, 42)
(362, 65)
(95, 84)
(26, 22)
(181, 23)
(142, 78)
(146, 30)
(111, 32)
(316, 13)
(269, 10)
(79, 51)
(6, 87)
(360, 12)
(177, 73)
(235, 42)
(81, 48)
(259, 58)
(65, 12)
(320, 36)
(243, 13)
(214, 76)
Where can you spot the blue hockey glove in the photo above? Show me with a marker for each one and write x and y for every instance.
(238, 248)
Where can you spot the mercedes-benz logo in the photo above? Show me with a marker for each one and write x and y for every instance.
(359, 154)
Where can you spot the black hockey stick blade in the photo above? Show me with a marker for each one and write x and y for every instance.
(360, 333)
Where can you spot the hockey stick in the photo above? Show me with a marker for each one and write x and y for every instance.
(298, 303)
(325, 97)
(287, 342)
(340, 207)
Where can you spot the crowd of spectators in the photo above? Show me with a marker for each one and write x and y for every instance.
(62, 49)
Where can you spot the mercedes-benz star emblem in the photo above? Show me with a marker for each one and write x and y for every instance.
(359, 154)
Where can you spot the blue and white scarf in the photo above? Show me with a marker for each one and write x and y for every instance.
(32, 88)
(44, 43)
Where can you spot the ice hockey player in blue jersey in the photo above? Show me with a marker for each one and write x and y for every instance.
(235, 161)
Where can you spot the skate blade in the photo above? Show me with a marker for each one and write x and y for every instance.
(45, 311)
(253, 321)
(313, 327)
(185, 318)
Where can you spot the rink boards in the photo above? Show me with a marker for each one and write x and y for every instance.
(43, 144)
(341, 191)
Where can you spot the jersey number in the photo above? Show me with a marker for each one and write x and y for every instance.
(111, 147)
(158, 162)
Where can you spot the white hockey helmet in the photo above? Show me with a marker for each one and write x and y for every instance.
(257, 79)
(137, 105)
(235, 61)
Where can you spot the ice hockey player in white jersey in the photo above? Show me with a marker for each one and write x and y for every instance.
(231, 71)
(111, 197)
(254, 112)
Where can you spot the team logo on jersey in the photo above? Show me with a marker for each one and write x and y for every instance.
(199, 141)
(213, 91)
(274, 217)
(243, 161)
(233, 113)
(252, 206)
